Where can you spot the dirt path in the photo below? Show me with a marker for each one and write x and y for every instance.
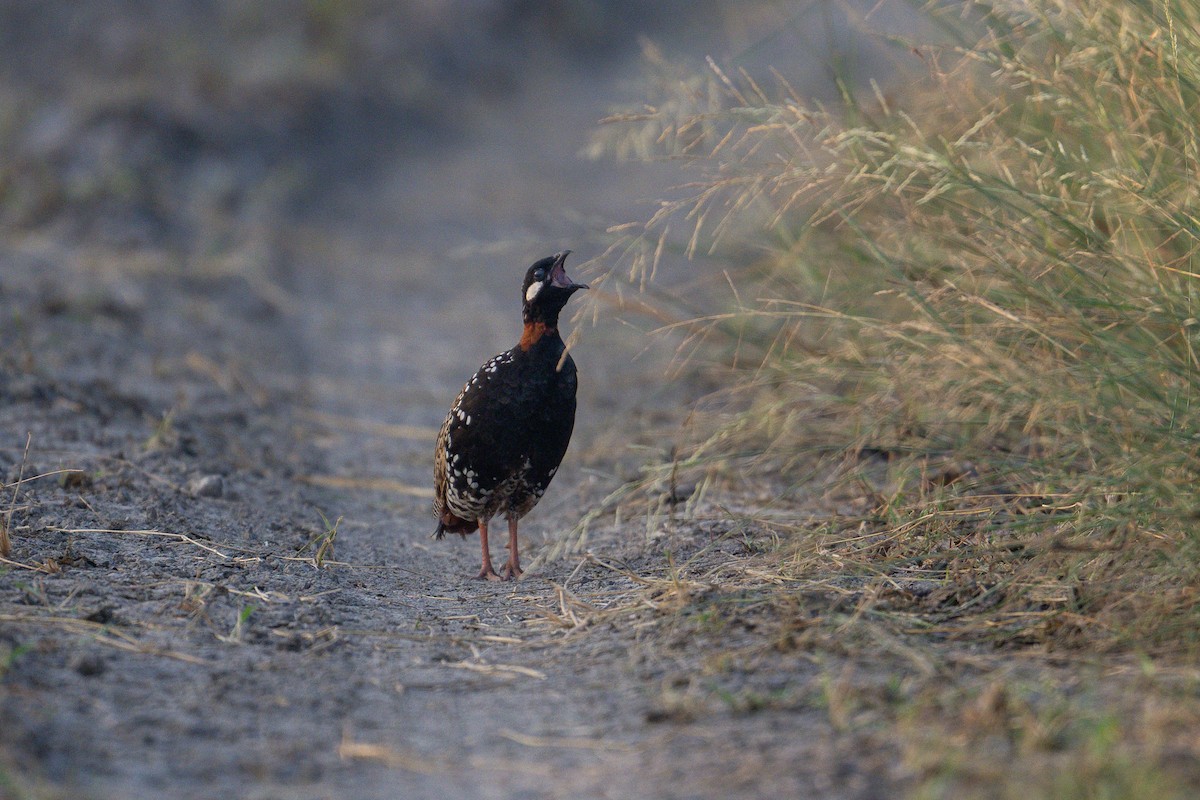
(164, 630)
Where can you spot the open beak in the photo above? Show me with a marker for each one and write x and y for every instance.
(558, 273)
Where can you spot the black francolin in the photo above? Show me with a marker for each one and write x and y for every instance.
(507, 432)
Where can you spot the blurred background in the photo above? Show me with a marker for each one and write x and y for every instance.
(372, 177)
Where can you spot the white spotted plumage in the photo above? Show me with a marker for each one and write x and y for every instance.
(509, 427)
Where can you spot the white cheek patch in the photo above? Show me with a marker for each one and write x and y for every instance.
(532, 291)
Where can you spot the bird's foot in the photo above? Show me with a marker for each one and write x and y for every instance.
(512, 570)
(488, 574)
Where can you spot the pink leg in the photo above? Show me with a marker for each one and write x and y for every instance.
(486, 572)
(512, 569)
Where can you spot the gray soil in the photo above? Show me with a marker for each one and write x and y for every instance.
(230, 310)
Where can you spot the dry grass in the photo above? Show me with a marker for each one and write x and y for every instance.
(958, 328)
(6, 524)
(974, 305)
(738, 625)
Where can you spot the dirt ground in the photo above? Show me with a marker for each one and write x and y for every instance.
(231, 315)
(166, 631)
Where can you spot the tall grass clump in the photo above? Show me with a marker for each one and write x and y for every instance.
(994, 267)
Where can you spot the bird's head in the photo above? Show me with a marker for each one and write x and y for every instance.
(547, 288)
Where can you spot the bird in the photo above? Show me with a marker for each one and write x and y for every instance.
(508, 430)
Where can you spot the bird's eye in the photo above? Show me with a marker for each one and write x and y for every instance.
(539, 274)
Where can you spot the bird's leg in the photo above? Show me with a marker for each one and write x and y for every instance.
(486, 572)
(512, 568)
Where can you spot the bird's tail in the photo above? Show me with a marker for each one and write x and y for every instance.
(448, 523)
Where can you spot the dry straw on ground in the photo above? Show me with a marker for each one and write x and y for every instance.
(974, 303)
(961, 343)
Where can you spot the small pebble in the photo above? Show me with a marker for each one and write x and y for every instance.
(206, 486)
